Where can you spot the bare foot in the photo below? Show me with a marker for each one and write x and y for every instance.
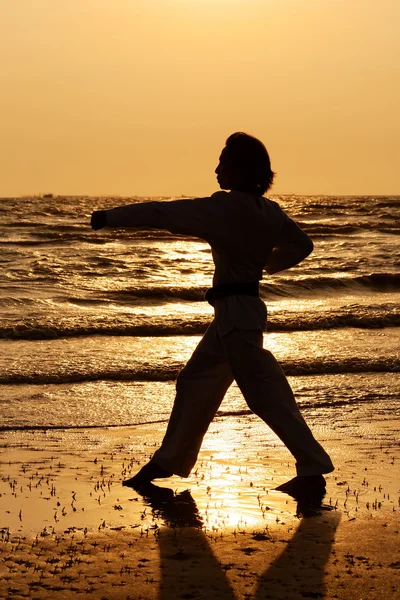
(303, 486)
(146, 475)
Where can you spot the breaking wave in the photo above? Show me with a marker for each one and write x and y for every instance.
(372, 318)
(292, 368)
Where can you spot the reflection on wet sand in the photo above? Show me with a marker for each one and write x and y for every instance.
(299, 570)
(187, 559)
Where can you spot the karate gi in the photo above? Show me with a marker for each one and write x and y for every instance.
(247, 234)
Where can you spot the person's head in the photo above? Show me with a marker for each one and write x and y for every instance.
(244, 165)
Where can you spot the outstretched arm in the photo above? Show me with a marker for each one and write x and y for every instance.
(187, 217)
(141, 214)
(292, 247)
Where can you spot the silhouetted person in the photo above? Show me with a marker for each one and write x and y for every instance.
(248, 233)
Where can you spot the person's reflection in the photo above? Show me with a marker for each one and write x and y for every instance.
(299, 571)
(186, 558)
(176, 510)
(188, 563)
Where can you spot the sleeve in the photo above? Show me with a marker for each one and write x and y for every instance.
(187, 217)
(293, 246)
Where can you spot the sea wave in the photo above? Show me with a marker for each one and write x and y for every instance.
(284, 287)
(346, 228)
(314, 366)
(81, 233)
(197, 326)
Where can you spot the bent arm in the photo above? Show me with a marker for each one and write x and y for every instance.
(293, 246)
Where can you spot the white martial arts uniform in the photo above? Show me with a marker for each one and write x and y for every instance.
(247, 234)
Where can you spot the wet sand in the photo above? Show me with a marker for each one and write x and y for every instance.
(69, 528)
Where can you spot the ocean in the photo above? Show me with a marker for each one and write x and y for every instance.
(95, 326)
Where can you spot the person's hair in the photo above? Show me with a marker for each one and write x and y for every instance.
(249, 160)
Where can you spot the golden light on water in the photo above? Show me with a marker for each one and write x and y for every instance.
(233, 478)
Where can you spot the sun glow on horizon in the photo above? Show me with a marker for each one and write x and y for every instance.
(138, 97)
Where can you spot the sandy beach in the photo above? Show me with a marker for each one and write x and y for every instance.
(69, 528)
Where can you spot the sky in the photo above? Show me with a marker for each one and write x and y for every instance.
(137, 97)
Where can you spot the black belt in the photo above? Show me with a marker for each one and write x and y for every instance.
(249, 288)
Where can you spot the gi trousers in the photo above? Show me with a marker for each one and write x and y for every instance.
(202, 384)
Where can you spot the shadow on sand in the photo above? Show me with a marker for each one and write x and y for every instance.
(190, 569)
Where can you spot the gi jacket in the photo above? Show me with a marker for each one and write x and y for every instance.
(247, 234)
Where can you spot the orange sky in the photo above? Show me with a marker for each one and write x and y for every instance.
(138, 96)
